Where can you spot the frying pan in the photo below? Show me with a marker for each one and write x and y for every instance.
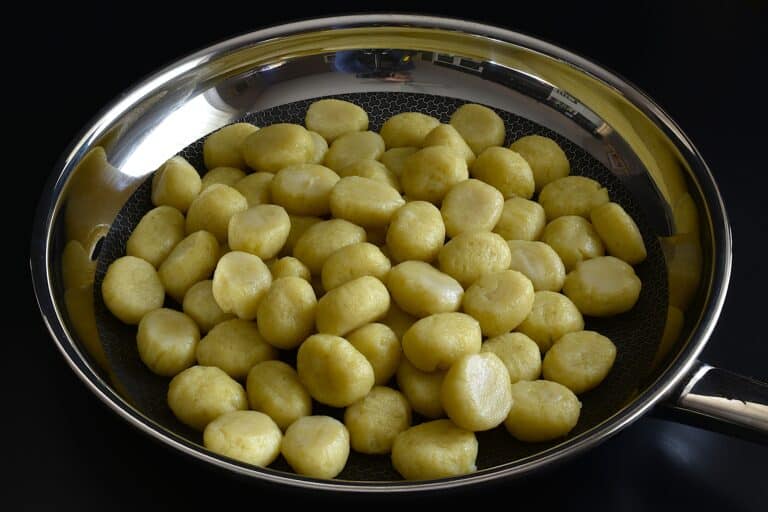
(389, 64)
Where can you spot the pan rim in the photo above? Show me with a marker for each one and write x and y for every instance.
(662, 387)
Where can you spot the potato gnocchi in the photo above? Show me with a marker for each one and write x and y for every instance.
(378, 262)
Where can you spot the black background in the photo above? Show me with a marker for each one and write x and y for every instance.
(702, 63)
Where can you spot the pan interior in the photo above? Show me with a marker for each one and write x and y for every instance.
(635, 333)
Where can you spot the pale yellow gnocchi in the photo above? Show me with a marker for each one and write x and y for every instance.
(421, 290)
(363, 201)
(286, 314)
(506, 171)
(519, 353)
(167, 341)
(375, 421)
(574, 239)
(521, 219)
(499, 301)
(619, 233)
(277, 146)
(436, 449)
(322, 239)
(240, 281)
(212, 209)
(430, 172)
(248, 436)
(471, 206)
(224, 146)
(234, 346)
(407, 129)
(316, 446)
(547, 160)
(539, 263)
(353, 261)
(352, 305)
(304, 189)
(156, 235)
(480, 126)
(572, 195)
(470, 255)
(579, 360)
(416, 232)
(380, 346)
(604, 286)
(176, 183)
(476, 392)
(552, 315)
(333, 371)
(352, 147)
(438, 341)
(274, 388)
(200, 394)
(332, 118)
(131, 289)
(541, 411)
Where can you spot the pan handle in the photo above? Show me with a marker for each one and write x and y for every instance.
(719, 400)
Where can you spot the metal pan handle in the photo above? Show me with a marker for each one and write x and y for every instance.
(721, 401)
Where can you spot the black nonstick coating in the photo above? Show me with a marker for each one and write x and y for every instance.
(635, 333)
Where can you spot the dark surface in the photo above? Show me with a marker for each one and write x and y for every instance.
(702, 64)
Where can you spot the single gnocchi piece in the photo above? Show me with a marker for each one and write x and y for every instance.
(519, 353)
(261, 230)
(299, 224)
(333, 371)
(167, 341)
(471, 255)
(365, 202)
(223, 176)
(619, 233)
(353, 261)
(176, 183)
(157, 233)
(505, 170)
(380, 346)
(224, 147)
(471, 206)
(394, 159)
(374, 170)
(332, 118)
(240, 281)
(352, 305)
(192, 260)
(438, 341)
(321, 240)
(277, 146)
(321, 148)
(604, 286)
(274, 388)
(547, 160)
(480, 126)
(422, 389)
(538, 262)
(316, 446)
(552, 316)
(541, 411)
(416, 232)
(431, 172)
(499, 301)
(200, 394)
(256, 188)
(286, 314)
(421, 290)
(572, 195)
(436, 449)
(201, 307)
(248, 436)
(234, 346)
(574, 239)
(354, 146)
(579, 360)
(375, 421)
(289, 266)
(407, 129)
(304, 189)
(521, 219)
(447, 135)
(212, 209)
(131, 289)
(476, 392)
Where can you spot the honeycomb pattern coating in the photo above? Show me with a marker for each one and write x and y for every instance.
(635, 333)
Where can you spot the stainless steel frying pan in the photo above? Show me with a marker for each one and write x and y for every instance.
(389, 64)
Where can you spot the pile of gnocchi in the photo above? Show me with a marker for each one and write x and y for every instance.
(410, 270)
